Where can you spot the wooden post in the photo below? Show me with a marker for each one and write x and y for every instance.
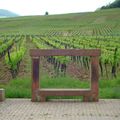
(35, 78)
(2, 95)
(94, 78)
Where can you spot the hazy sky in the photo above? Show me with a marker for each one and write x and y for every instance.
(39, 7)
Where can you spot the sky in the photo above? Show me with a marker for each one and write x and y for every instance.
(39, 7)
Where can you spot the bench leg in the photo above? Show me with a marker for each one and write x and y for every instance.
(95, 97)
(42, 98)
(92, 98)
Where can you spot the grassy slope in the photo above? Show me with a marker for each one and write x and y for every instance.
(73, 21)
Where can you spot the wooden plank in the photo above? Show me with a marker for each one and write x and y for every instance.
(94, 77)
(35, 78)
(64, 52)
(63, 92)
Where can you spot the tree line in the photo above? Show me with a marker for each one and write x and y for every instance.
(115, 4)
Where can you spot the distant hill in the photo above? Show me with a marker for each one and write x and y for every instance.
(115, 4)
(100, 22)
(6, 13)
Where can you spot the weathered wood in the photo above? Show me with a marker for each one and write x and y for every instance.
(94, 77)
(2, 95)
(64, 52)
(63, 92)
(35, 78)
(88, 94)
(42, 98)
(86, 98)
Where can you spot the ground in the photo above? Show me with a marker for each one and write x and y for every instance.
(24, 109)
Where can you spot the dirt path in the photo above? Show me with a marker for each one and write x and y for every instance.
(25, 65)
(74, 70)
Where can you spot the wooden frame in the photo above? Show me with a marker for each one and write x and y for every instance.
(88, 94)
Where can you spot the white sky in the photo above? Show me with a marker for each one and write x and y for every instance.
(39, 7)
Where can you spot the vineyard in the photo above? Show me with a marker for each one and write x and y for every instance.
(100, 29)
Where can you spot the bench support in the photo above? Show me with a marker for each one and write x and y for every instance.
(88, 94)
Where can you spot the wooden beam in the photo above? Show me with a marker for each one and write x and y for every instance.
(63, 92)
(64, 52)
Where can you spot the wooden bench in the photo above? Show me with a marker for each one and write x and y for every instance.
(88, 94)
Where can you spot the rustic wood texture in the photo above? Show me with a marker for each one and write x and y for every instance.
(88, 94)
(64, 52)
(35, 78)
(94, 77)
(64, 92)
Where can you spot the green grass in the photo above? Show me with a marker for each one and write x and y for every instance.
(21, 87)
(63, 82)
(67, 22)
(110, 88)
(18, 88)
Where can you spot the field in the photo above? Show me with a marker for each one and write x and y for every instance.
(100, 29)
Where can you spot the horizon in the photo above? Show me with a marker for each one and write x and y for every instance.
(38, 7)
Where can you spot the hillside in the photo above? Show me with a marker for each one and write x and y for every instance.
(85, 23)
(7, 13)
(90, 30)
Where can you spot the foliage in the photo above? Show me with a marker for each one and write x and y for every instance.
(5, 46)
(46, 13)
(115, 4)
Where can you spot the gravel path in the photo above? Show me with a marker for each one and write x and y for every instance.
(24, 109)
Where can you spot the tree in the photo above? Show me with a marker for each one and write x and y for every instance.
(46, 13)
(115, 4)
